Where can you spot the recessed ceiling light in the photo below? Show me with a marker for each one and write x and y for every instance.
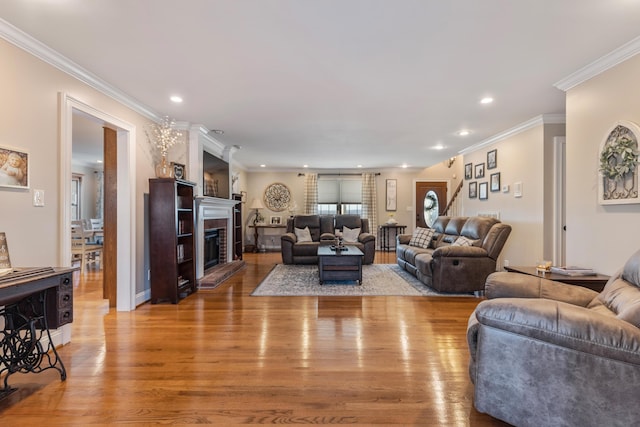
(404, 165)
(486, 100)
(263, 166)
(359, 166)
(177, 99)
(305, 166)
(438, 147)
(463, 132)
(98, 161)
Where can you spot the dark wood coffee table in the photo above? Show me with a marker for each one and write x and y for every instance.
(595, 282)
(340, 265)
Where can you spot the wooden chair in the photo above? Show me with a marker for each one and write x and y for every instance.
(97, 225)
(83, 250)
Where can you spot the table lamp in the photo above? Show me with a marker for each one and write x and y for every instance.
(256, 204)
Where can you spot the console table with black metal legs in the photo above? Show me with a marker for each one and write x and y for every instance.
(34, 300)
(385, 241)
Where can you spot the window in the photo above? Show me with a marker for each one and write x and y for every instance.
(340, 196)
(76, 196)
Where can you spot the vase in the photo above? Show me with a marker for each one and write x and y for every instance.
(164, 169)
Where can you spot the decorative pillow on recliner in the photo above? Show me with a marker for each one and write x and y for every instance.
(463, 241)
(303, 235)
(421, 237)
(350, 235)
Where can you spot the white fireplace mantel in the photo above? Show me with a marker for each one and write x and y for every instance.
(213, 208)
(208, 207)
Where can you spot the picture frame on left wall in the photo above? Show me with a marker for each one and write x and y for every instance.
(14, 168)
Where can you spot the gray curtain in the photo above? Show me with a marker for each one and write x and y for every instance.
(311, 193)
(370, 201)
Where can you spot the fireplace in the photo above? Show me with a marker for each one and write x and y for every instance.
(213, 214)
(212, 241)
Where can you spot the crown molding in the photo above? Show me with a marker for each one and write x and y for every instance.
(43, 52)
(600, 65)
(544, 119)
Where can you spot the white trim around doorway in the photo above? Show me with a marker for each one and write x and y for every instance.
(126, 140)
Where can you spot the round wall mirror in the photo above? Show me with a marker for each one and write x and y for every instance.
(431, 208)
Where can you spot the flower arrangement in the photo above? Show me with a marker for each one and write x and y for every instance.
(618, 157)
(163, 135)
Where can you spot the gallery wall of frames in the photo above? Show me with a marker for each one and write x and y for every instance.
(483, 178)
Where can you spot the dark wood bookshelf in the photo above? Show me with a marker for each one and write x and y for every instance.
(172, 239)
(237, 227)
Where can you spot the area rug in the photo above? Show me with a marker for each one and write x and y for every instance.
(377, 280)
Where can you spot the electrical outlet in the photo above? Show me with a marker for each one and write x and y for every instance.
(505, 263)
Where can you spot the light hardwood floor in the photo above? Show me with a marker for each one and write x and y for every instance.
(223, 357)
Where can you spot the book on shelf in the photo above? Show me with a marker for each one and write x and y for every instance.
(573, 271)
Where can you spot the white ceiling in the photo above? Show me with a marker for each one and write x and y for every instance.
(336, 83)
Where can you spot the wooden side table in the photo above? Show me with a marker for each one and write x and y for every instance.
(383, 231)
(595, 282)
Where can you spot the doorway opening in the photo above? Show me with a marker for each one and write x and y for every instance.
(124, 132)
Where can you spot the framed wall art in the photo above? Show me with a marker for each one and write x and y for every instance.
(492, 159)
(482, 191)
(479, 171)
(495, 182)
(618, 167)
(277, 197)
(468, 171)
(392, 195)
(473, 190)
(14, 168)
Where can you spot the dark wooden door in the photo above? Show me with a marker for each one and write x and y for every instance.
(422, 188)
(109, 252)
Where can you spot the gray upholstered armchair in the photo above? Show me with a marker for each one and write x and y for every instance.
(545, 353)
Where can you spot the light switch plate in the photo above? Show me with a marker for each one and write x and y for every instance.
(38, 197)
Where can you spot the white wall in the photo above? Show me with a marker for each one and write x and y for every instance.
(602, 237)
(520, 158)
(29, 120)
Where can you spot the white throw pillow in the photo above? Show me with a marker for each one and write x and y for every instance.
(303, 235)
(462, 241)
(350, 235)
(421, 237)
